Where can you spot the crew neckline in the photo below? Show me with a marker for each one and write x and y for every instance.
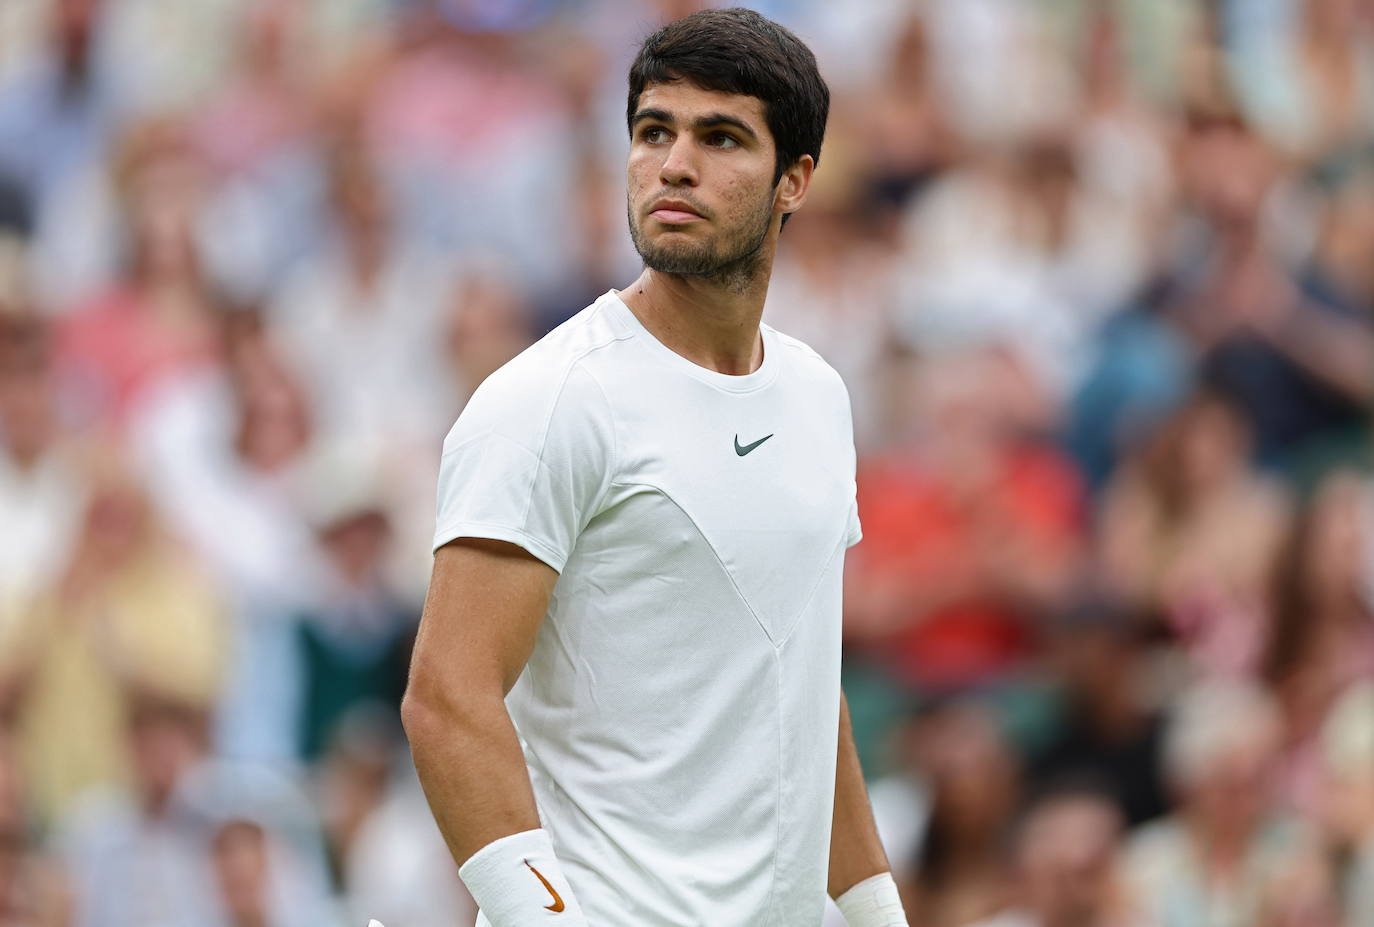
(736, 383)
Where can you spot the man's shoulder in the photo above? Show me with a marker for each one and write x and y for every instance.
(542, 369)
(809, 362)
(551, 373)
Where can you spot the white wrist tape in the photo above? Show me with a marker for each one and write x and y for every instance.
(517, 882)
(873, 903)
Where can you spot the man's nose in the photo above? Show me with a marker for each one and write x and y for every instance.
(679, 164)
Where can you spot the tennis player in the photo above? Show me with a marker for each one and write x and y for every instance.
(625, 702)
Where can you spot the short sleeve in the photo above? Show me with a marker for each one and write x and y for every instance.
(855, 532)
(529, 462)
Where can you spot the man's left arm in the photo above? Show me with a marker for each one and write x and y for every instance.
(860, 879)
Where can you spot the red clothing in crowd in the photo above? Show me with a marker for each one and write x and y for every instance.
(957, 554)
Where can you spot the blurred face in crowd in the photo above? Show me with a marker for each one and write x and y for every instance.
(358, 543)
(1347, 741)
(701, 193)
(1335, 556)
(117, 518)
(1347, 237)
(166, 741)
(274, 423)
(1100, 666)
(266, 40)
(487, 326)
(1231, 793)
(972, 770)
(118, 525)
(1205, 445)
(1065, 859)
(359, 198)
(1347, 806)
(74, 23)
(1219, 750)
(240, 856)
(1332, 18)
(27, 422)
(1226, 171)
(354, 777)
(161, 181)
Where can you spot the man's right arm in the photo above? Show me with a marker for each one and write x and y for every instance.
(524, 468)
(486, 600)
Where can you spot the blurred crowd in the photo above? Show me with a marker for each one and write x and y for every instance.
(1099, 275)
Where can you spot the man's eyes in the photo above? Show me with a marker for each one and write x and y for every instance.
(654, 135)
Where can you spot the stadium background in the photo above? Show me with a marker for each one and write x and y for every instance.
(1099, 275)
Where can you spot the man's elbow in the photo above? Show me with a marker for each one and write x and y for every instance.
(430, 711)
(419, 716)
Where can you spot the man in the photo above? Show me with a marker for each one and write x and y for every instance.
(642, 526)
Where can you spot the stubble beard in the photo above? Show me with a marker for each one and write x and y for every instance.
(734, 264)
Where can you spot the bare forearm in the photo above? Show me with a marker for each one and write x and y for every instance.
(472, 770)
(856, 853)
(485, 602)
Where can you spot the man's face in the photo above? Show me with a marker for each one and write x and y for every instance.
(700, 187)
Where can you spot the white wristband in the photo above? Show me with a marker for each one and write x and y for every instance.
(517, 882)
(874, 902)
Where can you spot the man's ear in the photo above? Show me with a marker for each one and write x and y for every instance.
(793, 184)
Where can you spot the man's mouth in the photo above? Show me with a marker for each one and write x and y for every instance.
(674, 212)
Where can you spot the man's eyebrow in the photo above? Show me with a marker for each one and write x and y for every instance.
(706, 121)
(657, 115)
(711, 120)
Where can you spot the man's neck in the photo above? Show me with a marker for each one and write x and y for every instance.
(714, 324)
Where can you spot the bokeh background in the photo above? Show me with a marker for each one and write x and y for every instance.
(1099, 275)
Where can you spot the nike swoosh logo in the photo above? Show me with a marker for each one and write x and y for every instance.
(748, 447)
(557, 905)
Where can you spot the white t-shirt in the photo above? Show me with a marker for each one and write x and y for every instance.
(679, 711)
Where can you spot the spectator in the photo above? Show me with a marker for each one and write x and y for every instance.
(398, 868)
(1322, 640)
(1348, 799)
(1219, 858)
(1310, 83)
(261, 108)
(1233, 285)
(1190, 534)
(1109, 732)
(129, 609)
(960, 874)
(42, 492)
(835, 283)
(355, 642)
(972, 534)
(32, 890)
(59, 108)
(912, 139)
(1064, 859)
(224, 449)
(361, 318)
(159, 318)
(1320, 339)
(262, 847)
(137, 856)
